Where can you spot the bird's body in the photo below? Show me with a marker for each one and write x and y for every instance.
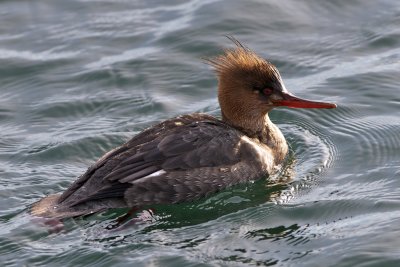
(190, 156)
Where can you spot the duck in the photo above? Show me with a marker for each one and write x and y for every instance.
(194, 155)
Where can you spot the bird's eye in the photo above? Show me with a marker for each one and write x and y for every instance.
(267, 91)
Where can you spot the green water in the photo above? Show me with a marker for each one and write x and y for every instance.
(78, 78)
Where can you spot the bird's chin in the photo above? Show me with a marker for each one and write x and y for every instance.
(269, 106)
(266, 109)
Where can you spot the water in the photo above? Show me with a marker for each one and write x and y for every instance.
(78, 78)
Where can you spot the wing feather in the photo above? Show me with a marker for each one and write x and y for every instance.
(173, 146)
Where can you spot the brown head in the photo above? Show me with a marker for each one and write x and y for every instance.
(250, 86)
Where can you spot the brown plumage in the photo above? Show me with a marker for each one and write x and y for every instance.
(194, 155)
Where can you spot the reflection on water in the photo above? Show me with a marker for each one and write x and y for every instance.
(79, 78)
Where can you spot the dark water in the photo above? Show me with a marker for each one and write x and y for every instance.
(78, 78)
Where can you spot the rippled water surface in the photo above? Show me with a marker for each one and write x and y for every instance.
(78, 78)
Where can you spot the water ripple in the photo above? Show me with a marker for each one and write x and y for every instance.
(32, 56)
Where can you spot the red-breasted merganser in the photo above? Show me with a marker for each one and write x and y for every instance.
(191, 156)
